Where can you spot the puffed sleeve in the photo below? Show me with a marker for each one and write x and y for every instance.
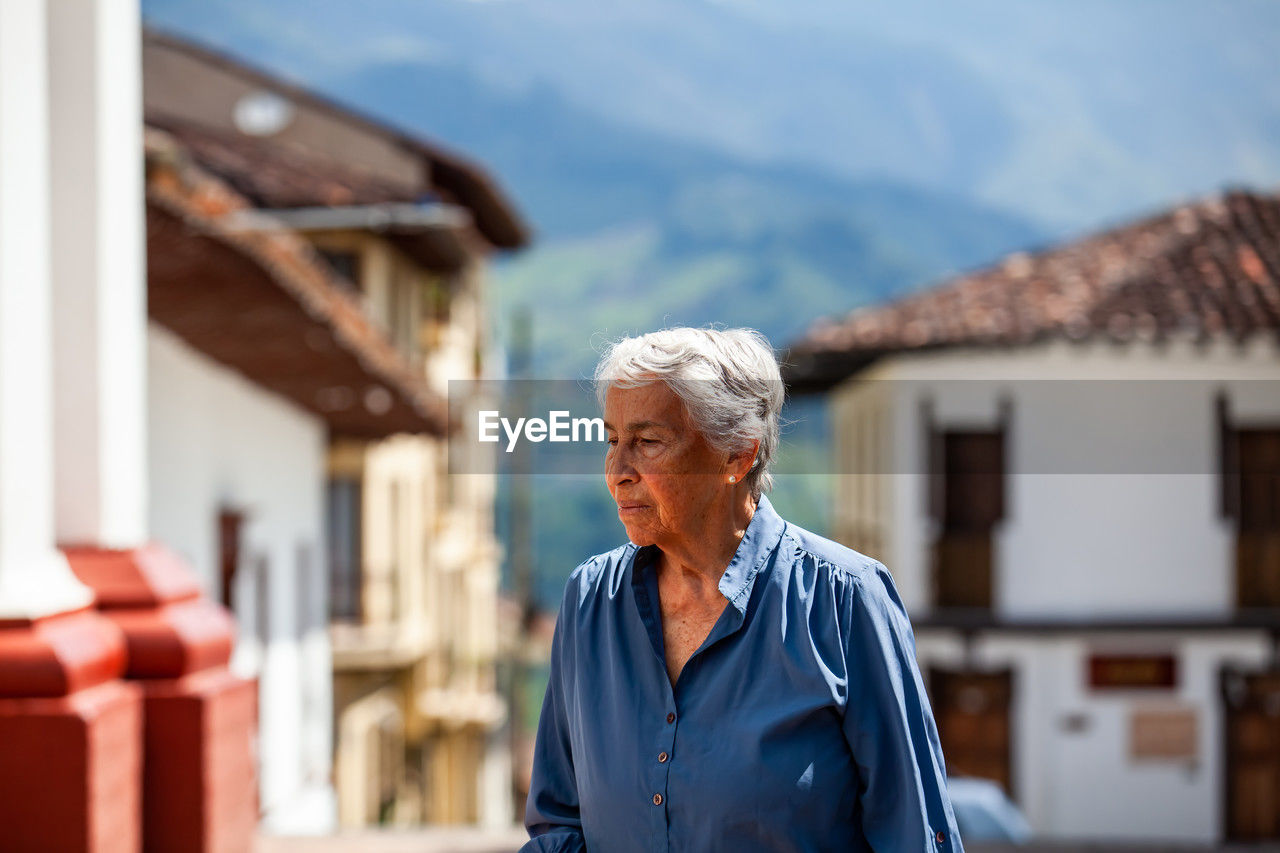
(551, 813)
(890, 727)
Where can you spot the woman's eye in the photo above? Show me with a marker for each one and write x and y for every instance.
(613, 441)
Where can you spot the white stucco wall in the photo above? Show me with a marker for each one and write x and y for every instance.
(1080, 783)
(1080, 542)
(1078, 538)
(216, 439)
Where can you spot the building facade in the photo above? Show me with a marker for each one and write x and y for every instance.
(409, 553)
(1069, 462)
(122, 726)
(252, 337)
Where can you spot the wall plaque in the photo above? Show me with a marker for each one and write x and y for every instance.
(1130, 672)
(1162, 734)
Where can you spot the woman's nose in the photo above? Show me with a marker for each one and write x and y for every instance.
(618, 465)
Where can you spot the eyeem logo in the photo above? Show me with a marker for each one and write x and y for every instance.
(558, 427)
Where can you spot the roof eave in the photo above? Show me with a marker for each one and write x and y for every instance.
(496, 216)
(263, 304)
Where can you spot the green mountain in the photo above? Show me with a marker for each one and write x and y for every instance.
(637, 230)
(760, 163)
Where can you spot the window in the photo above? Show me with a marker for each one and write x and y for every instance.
(1249, 469)
(343, 507)
(1253, 503)
(347, 265)
(972, 504)
(967, 501)
(229, 525)
(434, 303)
(405, 311)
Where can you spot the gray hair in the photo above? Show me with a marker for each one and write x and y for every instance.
(728, 380)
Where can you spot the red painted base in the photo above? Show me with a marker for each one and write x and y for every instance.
(151, 593)
(199, 779)
(70, 764)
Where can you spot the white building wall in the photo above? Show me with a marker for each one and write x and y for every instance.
(1095, 543)
(1077, 783)
(1088, 546)
(218, 440)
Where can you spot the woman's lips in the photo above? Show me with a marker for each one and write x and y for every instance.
(630, 509)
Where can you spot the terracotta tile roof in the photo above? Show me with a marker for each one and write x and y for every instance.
(265, 304)
(1201, 270)
(455, 177)
(274, 174)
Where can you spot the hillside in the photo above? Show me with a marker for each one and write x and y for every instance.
(762, 164)
(637, 230)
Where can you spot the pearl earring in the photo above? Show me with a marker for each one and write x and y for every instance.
(732, 479)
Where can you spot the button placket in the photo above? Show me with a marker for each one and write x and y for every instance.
(662, 765)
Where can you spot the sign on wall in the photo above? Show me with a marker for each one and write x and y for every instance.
(1163, 733)
(1133, 672)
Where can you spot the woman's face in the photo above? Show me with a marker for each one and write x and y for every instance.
(660, 470)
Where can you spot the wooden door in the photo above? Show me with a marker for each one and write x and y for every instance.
(973, 712)
(1258, 533)
(972, 504)
(1252, 718)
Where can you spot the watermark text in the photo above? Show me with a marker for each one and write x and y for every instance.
(557, 426)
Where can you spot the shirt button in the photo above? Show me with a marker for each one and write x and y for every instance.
(662, 757)
(671, 718)
(657, 799)
(941, 838)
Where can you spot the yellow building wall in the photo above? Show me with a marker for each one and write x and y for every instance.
(426, 640)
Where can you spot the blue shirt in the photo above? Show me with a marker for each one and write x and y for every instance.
(800, 724)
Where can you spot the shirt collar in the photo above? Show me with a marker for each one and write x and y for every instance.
(757, 544)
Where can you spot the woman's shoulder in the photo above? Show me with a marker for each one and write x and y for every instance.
(601, 574)
(863, 586)
(824, 556)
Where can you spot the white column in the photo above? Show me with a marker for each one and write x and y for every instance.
(34, 577)
(98, 239)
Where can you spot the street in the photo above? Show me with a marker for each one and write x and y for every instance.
(434, 840)
(466, 840)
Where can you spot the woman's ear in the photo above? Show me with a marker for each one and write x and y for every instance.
(747, 458)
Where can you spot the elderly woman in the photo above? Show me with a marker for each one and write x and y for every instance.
(726, 681)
